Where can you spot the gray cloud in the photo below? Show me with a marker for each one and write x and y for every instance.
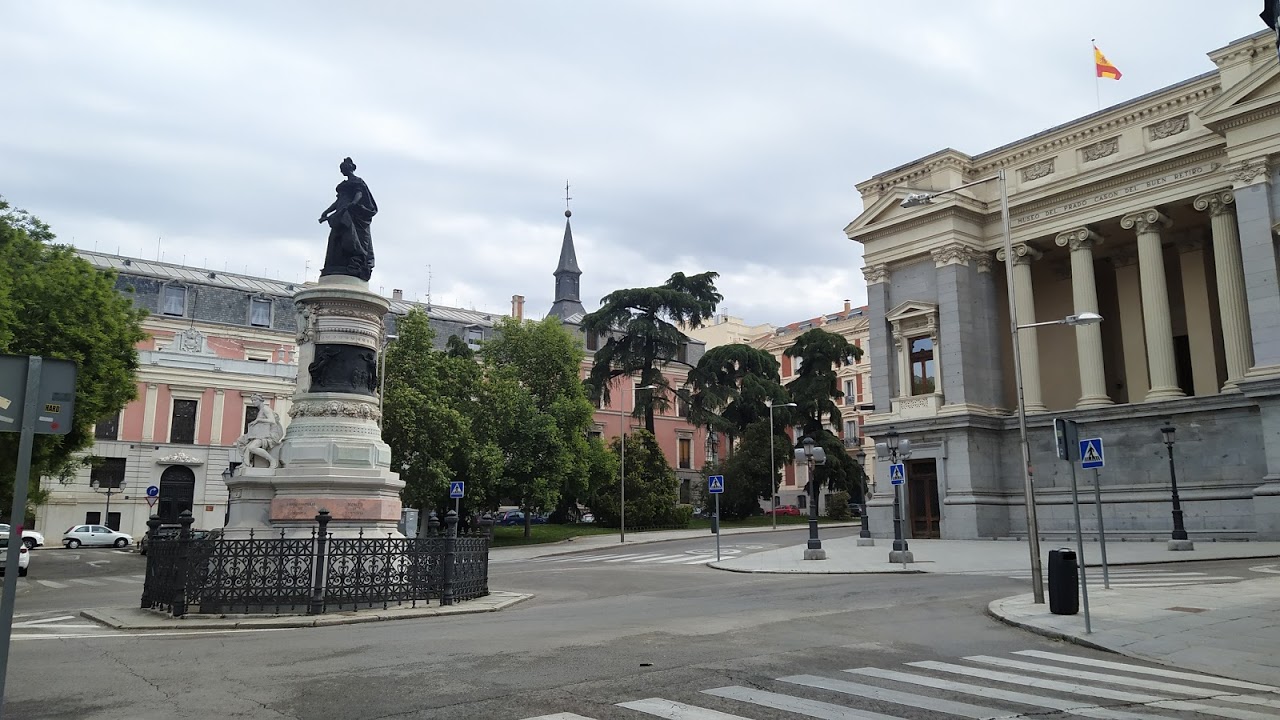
(723, 134)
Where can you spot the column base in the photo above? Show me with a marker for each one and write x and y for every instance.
(901, 556)
(1035, 408)
(1181, 545)
(866, 542)
(1164, 393)
(1094, 401)
(815, 554)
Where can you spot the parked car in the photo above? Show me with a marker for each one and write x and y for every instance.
(587, 518)
(515, 517)
(784, 510)
(100, 535)
(30, 538)
(24, 559)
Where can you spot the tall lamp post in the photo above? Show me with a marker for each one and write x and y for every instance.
(773, 503)
(116, 490)
(622, 485)
(813, 456)
(895, 449)
(1180, 540)
(864, 535)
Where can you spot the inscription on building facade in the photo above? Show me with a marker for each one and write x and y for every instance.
(1113, 193)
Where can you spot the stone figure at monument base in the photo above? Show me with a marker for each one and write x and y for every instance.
(331, 456)
(254, 448)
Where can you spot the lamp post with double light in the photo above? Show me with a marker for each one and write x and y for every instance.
(868, 488)
(773, 496)
(896, 449)
(1086, 318)
(812, 456)
(1180, 541)
(111, 488)
(622, 484)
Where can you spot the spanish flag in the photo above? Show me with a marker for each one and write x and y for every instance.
(1104, 66)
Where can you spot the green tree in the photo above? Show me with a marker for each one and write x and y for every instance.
(747, 475)
(57, 305)
(640, 325)
(729, 387)
(814, 391)
(548, 454)
(653, 492)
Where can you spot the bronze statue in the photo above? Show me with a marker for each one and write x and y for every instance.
(350, 250)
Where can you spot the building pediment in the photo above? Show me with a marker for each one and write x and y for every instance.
(179, 458)
(1259, 90)
(883, 210)
(911, 309)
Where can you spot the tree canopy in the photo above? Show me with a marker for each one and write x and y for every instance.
(639, 326)
(814, 390)
(729, 387)
(747, 475)
(57, 305)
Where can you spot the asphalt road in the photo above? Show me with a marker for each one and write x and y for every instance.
(598, 633)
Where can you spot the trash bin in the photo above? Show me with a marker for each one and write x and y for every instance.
(1064, 582)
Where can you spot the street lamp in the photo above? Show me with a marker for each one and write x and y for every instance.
(110, 490)
(1080, 320)
(895, 449)
(864, 535)
(1180, 540)
(813, 456)
(772, 466)
(622, 485)
(1029, 489)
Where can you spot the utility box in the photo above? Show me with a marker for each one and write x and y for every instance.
(1064, 582)
(409, 522)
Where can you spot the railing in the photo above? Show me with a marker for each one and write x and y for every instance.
(315, 574)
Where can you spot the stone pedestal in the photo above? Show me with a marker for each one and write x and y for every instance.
(332, 456)
(1181, 545)
(901, 556)
(815, 554)
(866, 542)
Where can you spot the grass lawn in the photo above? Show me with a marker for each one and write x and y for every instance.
(549, 533)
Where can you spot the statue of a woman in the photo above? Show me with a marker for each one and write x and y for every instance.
(350, 250)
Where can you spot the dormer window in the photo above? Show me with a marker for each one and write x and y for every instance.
(260, 312)
(174, 301)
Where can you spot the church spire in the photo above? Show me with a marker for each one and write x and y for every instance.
(568, 302)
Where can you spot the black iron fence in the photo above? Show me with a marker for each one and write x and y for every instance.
(315, 574)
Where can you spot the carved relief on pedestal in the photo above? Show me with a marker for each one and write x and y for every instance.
(1169, 128)
(335, 408)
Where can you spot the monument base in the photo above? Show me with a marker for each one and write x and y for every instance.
(1181, 545)
(901, 556)
(815, 554)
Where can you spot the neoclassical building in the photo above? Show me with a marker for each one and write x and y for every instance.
(1160, 214)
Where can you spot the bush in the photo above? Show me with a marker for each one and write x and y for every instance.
(653, 493)
(838, 507)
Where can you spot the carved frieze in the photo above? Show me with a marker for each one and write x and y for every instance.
(1169, 127)
(1248, 172)
(876, 273)
(1100, 149)
(1041, 169)
(179, 458)
(953, 254)
(335, 408)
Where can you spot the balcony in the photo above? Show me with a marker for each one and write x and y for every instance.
(853, 442)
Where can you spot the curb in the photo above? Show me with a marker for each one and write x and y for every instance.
(277, 622)
(748, 571)
(646, 541)
(994, 614)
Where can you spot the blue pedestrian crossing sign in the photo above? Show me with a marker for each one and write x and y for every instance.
(715, 484)
(457, 489)
(897, 474)
(1091, 453)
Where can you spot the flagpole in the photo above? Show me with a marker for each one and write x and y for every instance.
(1097, 82)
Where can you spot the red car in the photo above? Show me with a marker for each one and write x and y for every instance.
(784, 510)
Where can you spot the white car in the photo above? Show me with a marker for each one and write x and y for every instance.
(30, 538)
(24, 557)
(78, 535)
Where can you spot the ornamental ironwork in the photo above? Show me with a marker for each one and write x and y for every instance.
(208, 573)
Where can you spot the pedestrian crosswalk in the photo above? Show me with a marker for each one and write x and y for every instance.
(651, 558)
(105, 581)
(1137, 578)
(1027, 683)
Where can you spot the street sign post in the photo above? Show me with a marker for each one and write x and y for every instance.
(457, 489)
(1068, 440)
(897, 473)
(153, 491)
(715, 486)
(1092, 457)
(37, 396)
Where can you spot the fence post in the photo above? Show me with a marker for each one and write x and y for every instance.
(184, 549)
(433, 524)
(321, 559)
(450, 547)
(148, 585)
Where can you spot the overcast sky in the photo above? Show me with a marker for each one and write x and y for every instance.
(696, 135)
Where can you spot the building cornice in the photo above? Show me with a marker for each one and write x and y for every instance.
(920, 219)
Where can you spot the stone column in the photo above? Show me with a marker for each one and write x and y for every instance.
(1028, 343)
(219, 404)
(1198, 308)
(1155, 302)
(1129, 296)
(149, 413)
(1084, 296)
(1256, 223)
(1237, 346)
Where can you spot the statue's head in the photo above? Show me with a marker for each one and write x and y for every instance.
(256, 399)
(347, 167)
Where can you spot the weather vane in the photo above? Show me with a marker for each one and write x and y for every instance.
(567, 213)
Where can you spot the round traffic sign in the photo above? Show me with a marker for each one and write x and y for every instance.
(153, 491)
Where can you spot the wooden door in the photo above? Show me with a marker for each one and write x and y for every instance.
(925, 512)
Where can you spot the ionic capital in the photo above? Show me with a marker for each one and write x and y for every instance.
(1216, 202)
(1023, 254)
(876, 273)
(1145, 221)
(1081, 238)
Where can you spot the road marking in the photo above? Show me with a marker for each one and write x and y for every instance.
(29, 623)
(560, 716)
(672, 710)
(1015, 679)
(1143, 670)
(1038, 701)
(787, 703)
(140, 577)
(620, 558)
(86, 582)
(52, 584)
(899, 698)
(700, 560)
(96, 563)
(81, 636)
(1098, 677)
(125, 580)
(661, 558)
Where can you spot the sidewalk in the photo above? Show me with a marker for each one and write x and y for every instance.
(1231, 630)
(597, 542)
(975, 556)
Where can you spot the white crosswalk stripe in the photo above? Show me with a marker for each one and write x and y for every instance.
(52, 584)
(94, 582)
(889, 694)
(654, 558)
(1121, 578)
